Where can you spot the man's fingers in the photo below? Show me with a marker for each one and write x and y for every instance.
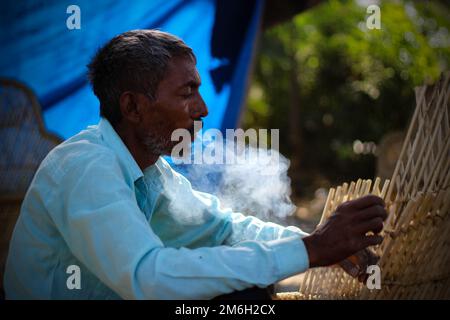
(372, 240)
(375, 225)
(370, 213)
(366, 201)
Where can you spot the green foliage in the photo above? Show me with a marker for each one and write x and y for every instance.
(348, 82)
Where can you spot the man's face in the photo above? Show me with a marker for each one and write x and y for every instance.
(178, 104)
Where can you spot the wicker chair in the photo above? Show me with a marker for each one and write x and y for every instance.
(24, 143)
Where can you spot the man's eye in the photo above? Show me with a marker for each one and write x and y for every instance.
(187, 94)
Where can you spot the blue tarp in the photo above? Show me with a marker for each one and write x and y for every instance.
(39, 50)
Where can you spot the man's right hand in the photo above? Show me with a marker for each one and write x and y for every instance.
(344, 233)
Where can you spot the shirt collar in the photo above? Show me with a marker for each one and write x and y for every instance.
(113, 140)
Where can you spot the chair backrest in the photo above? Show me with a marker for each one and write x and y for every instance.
(24, 143)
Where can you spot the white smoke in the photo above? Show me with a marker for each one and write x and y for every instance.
(256, 183)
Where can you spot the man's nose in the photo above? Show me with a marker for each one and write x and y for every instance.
(200, 109)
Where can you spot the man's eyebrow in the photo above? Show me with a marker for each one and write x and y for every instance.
(191, 83)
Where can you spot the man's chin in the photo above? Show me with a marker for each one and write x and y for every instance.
(177, 144)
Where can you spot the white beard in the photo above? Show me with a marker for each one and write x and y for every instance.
(157, 145)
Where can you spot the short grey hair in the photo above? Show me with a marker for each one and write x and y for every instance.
(132, 61)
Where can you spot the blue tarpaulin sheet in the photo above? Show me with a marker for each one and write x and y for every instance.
(39, 50)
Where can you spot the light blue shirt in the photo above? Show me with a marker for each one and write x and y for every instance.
(134, 234)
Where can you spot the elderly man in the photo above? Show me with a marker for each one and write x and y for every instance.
(98, 207)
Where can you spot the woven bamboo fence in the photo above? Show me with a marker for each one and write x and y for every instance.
(415, 254)
(24, 142)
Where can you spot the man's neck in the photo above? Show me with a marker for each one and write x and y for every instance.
(140, 153)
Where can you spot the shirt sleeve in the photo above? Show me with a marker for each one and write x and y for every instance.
(241, 227)
(97, 215)
(251, 228)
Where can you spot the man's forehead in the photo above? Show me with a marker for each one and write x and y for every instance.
(183, 71)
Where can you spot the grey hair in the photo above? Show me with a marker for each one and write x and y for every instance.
(132, 61)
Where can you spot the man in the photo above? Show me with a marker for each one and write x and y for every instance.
(100, 220)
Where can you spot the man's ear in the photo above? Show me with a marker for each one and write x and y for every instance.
(133, 105)
(128, 107)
